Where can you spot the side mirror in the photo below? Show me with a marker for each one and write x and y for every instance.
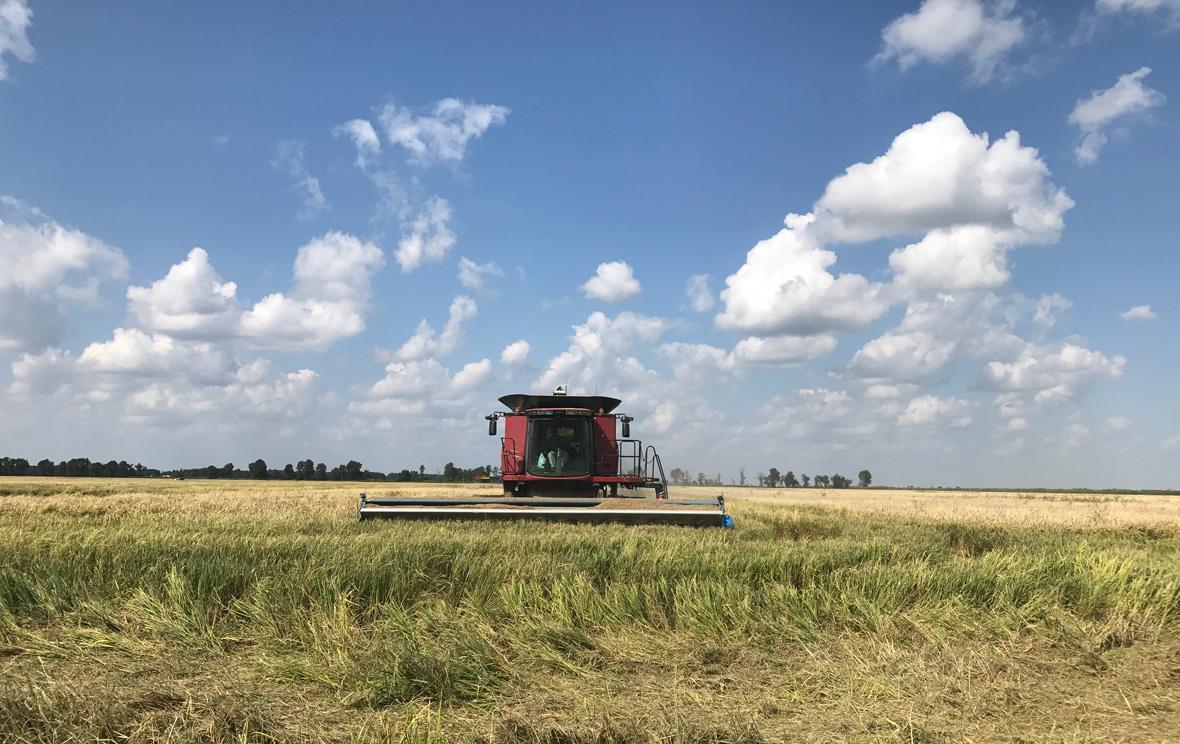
(491, 426)
(626, 429)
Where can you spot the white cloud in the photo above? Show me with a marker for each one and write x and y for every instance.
(364, 139)
(15, 19)
(784, 287)
(444, 133)
(968, 257)
(1050, 373)
(700, 297)
(783, 350)
(47, 267)
(132, 352)
(1171, 444)
(289, 158)
(328, 301)
(430, 237)
(1095, 114)
(1139, 312)
(514, 353)
(930, 410)
(1118, 423)
(421, 386)
(904, 355)
(982, 34)
(475, 275)
(191, 301)
(938, 174)
(1016, 424)
(612, 282)
(1048, 308)
(424, 344)
(1169, 8)
(878, 391)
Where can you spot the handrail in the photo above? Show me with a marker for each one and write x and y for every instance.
(516, 459)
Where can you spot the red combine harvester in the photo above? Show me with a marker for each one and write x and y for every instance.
(562, 460)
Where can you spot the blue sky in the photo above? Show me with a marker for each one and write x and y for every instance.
(951, 312)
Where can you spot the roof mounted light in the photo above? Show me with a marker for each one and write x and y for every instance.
(559, 391)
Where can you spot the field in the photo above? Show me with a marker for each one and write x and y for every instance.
(222, 611)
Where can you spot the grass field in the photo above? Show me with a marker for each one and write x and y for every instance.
(254, 611)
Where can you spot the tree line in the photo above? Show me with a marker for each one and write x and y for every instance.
(81, 467)
(773, 479)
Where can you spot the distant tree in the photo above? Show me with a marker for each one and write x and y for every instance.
(227, 470)
(289, 472)
(700, 479)
(773, 478)
(761, 479)
(421, 470)
(789, 480)
(450, 472)
(806, 480)
(821, 481)
(353, 470)
(865, 478)
(212, 472)
(321, 471)
(677, 476)
(258, 469)
(839, 481)
(742, 477)
(45, 467)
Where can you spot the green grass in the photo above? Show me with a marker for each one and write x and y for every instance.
(252, 616)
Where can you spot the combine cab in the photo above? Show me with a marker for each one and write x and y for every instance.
(562, 460)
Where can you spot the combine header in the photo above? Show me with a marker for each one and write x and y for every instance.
(562, 461)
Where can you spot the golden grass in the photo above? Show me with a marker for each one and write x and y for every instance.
(262, 611)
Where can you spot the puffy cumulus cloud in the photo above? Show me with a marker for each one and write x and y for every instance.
(935, 335)
(15, 19)
(424, 343)
(47, 268)
(613, 281)
(132, 352)
(971, 199)
(1074, 435)
(42, 373)
(1016, 424)
(930, 410)
(968, 257)
(474, 275)
(289, 158)
(364, 139)
(424, 386)
(1139, 312)
(697, 361)
(514, 353)
(1094, 115)
(784, 287)
(328, 300)
(257, 396)
(430, 237)
(1170, 444)
(1051, 373)
(191, 301)
(981, 33)
(700, 297)
(879, 391)
(939, 175)
(783, 350)
(904, 355)
(444, 132)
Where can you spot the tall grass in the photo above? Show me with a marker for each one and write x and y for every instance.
(430, 620)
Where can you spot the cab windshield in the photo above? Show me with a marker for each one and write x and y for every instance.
(559, 446)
